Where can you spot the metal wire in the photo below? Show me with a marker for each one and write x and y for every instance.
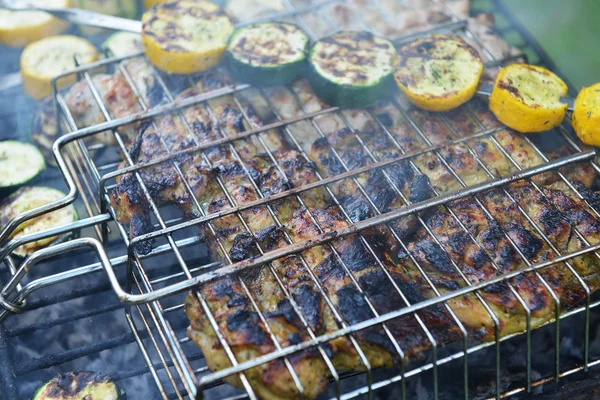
(153, 316)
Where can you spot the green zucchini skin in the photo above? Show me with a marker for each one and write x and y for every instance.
(334, 90)
(35, 165)
(259, 73)
(79, 385)
(265, 76)
(348, 96)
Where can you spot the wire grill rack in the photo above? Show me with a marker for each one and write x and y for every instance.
(152, 293)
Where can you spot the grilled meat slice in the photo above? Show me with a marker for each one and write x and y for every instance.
(499, 249)
(240, 324)
(248, 337)
(560, 279)
(575, 209)
(345, 296)
(560, 228)
(116, 94)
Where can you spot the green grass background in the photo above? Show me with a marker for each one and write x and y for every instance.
(569, 31)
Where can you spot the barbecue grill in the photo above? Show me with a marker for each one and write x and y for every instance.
(100, 258)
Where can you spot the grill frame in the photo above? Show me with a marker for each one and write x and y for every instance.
(155, 310)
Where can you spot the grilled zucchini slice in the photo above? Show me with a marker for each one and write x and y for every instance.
(80, 386)
(586, 115)
(123, 43)
(28, 198)
(43, 60)
(185, 36)
(267, 54)
(438, 73)
(19, 28)
(352, 69)
(526, 98)
(120, 8)
(19, 164)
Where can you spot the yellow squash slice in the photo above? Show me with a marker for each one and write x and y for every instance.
(185, 36)
(19, 28)
(43, 60)
(586, 115)
(438, 73)
(148, 4)
(526, 98)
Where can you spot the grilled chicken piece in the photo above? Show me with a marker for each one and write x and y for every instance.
(236, 313)
(117, 95)
(475, 116)
(469, 309)
(349, 303)
(495, 246)
(560, 279)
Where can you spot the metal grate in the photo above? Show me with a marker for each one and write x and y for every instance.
(152, 291)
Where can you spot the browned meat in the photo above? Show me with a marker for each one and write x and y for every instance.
(358, 277)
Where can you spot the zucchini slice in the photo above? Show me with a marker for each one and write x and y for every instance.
(43, 60)
(28, 198)
(120, 8)
(267, 54)
(19, 164)
(586, 115)
(352, 69)
(185, 36)
(80, 386)
(19, 28)
(123, 43)
(526, 98)
(438, 73)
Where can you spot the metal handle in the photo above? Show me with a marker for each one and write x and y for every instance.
(84, 17)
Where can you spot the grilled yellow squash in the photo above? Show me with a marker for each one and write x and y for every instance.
(19, 28)
(43, 60)
(185, 36)
(586, 115)
(148, 4)
(438, 73)
(526, 98)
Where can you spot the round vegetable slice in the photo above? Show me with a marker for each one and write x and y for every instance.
(151, 3)
(438, 73)
(267, 54)
(43, 60)
(586, 115)
(19, 28)
(352, 69)
(81, 385)
(123, 43)
(28, 198)
(526, 98)
(19, 164)
(185, 36)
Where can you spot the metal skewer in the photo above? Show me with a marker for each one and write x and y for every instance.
(78, 16)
